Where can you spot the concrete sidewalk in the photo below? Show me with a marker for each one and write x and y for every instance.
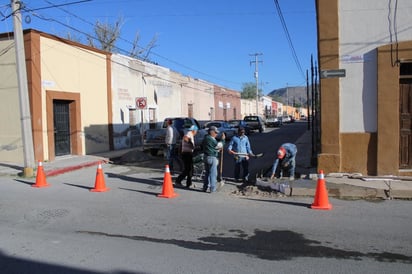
(347, 186)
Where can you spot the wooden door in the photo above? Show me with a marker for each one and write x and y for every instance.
(405, 113)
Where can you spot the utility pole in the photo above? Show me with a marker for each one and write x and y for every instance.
(287, 99)
(257, 78)
(27, 135)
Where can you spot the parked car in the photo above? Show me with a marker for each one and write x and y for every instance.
(240, 123)
(286, 119)
(154, 139)
(222, 126)
(255, 122)
(273, 122)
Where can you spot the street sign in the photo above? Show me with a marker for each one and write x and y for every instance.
(141, 102)
(332, 73)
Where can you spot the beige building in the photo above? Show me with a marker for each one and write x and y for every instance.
(69, 89)
(366, 116)
(227, 104)
(249, 107)
(196, 97)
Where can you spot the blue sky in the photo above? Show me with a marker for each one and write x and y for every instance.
(213, 40)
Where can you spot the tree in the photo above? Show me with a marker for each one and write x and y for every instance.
(73, 37)
(106, 34)
(139, 52)
(249, 91)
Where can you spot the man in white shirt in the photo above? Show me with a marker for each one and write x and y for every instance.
(170, 140)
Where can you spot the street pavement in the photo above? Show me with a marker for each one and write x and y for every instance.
(339, 185)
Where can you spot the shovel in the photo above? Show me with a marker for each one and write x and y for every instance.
(247, 154)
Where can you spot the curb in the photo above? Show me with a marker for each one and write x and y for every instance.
(59, 171)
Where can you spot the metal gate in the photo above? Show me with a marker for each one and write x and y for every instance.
(61, 114)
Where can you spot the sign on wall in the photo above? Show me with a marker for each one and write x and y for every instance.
(141, 102)
(332, 73)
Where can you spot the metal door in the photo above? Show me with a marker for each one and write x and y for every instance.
(61, 114)
(405, 109)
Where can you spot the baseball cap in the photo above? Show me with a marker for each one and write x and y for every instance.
(213, 128)
(193, 127)
(281, 153)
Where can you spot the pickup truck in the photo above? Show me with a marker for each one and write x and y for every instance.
(255, 122)
(154, 139)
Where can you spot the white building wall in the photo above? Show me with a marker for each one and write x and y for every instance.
(364, 26)
(133, 79)
(161, 87)
(126, 87)
(197, 93)
(267, 104)
(248, 107)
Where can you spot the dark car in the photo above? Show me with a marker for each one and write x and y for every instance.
(240, 123)
(222, 126)
(255, 122)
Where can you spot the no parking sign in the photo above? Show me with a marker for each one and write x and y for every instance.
(141, 102)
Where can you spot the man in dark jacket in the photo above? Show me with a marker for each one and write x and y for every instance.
(188, 146)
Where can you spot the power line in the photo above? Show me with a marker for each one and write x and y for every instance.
(120, 50)
(295, 57)
(60, 5)
(155, 54)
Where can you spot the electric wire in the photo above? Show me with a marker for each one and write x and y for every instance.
(295, 57)
(61, 5)
(87, 51)
(120, 50)
(153, 53)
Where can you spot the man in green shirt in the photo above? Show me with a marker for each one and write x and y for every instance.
(211, 149)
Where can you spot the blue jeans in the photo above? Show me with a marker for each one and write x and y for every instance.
(242, 162)
(170, 155)
(289, 170)
(211, 163)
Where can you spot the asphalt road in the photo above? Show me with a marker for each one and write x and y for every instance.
(267, 142)
(65, 228)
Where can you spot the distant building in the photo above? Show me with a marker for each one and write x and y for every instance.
(227, 104)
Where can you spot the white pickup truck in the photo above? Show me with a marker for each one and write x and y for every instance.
(154, 139)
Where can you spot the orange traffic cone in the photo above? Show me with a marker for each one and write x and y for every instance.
(321, 196)
(168, 191)
(99, 184)
(40, 177)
